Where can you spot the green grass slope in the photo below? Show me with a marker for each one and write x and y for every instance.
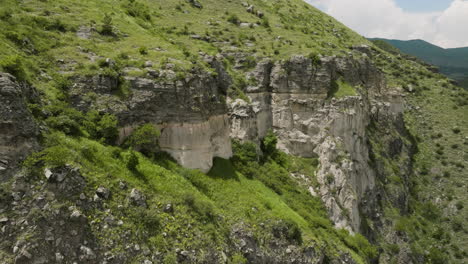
(436, 116)
(45, 42)
(39, 33)
(206, 206)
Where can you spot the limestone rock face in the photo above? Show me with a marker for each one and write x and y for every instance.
(297, 106)
(18, 130)
(190, 110)
(194, 145)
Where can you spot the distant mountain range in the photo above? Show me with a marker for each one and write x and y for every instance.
(451, 62)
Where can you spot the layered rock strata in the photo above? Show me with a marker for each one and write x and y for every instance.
(189, 109)
(295, 99)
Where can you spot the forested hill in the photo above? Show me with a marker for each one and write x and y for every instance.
(452, 62)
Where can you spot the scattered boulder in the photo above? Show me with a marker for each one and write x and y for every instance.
(103, 193)
(148, 64)
(85, 32)
(168, 208)
(59, 257)
(137, 198)
(122, 185)
(86, 253)
(76, 215)
(48, 173)
(3, 220)
(24, 256)
(195, 3)
(18, 130)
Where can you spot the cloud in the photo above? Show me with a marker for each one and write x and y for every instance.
(384, 18)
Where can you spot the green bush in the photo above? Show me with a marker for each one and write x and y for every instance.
(244, 152)
(107, 127)
(107, 27)
(143, 50)
(57, 25)
(437, 256)
(55, 156)
(145, 138)
(15, 37)
(430, 211)
(101, 127)
(289, 230)
(137, 9)
(147, 219)
(170, 258)
(6, 14)
(358, 243)
(62, 82)
(65, 119)
(237, 259)
(245, 158)
(234, 19)
(133, 162)
(14, 65)
(268, 145)
(249, 62)
(265, 22)
(315, 58)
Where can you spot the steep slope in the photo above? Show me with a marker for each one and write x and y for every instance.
(452, 62)
(221, 132)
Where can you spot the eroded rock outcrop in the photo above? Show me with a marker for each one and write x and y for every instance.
(18, 130)
(297, 103)
(189, 109)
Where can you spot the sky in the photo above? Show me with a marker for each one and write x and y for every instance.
(441, 22)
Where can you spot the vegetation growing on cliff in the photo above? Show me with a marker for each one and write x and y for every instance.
(256, 197)
(202, 207)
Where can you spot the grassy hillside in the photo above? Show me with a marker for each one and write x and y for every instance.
(44, 43)
(79, 33)
(204, 206)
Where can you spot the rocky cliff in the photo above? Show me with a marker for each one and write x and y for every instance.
(221, 132)
(18, 130)
(298, 105)
(189, 108)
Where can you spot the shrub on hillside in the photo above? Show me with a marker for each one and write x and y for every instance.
(138, 10)
(143, 50)
(64, 119)
(268, 147)
(14, 65)
(132, 162)
(234, 19)
(245, 158)
(315, 58)
(145, 138)
(289, 230)
(101, 127)
(107, 27)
